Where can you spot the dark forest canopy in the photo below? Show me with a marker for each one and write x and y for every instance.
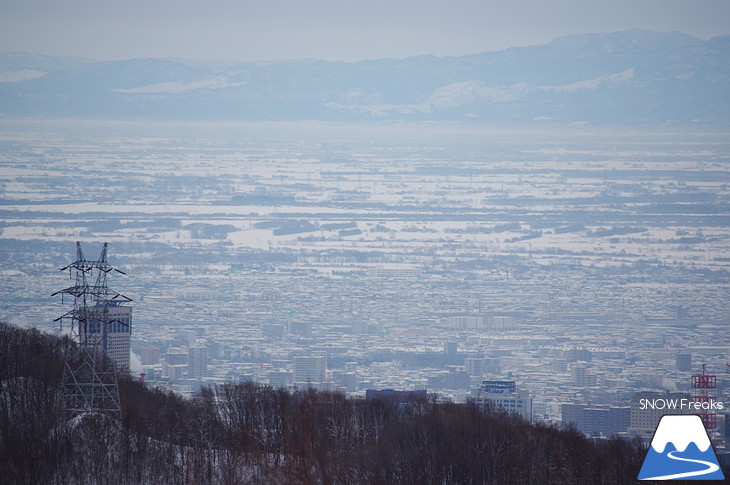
(250, 433)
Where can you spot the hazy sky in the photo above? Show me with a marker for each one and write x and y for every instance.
(329, 29)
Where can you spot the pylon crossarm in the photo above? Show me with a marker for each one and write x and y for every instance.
(75, 291)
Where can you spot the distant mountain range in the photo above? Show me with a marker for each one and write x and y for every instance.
(635, 77)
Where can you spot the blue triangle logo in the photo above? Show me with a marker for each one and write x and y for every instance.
(680, 450)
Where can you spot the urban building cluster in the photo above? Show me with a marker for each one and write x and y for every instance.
(562, 277)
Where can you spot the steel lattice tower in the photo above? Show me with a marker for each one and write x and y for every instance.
(89, 379)
(704, 390)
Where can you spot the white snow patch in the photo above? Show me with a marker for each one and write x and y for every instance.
(474, 91)
(174, 87)
(469, 92)
(19, 76)
(593, 84)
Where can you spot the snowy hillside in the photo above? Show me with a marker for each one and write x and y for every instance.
(634, 77)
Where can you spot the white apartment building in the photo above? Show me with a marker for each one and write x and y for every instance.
(309, 370)
(505, 395)
(197, 362)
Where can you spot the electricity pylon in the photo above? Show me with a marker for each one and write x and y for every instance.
(90, 379)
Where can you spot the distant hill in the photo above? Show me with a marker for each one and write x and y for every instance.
(634, 77)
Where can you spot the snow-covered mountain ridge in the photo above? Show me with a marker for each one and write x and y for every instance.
(631, 77)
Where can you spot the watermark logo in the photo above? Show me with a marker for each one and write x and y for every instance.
(680, 450)
(681, 405)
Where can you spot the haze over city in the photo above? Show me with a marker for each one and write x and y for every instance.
(385, 242)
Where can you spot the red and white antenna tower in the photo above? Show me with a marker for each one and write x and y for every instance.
(704, 392)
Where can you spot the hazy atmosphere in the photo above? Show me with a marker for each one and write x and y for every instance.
(330, 29)
(368, 243)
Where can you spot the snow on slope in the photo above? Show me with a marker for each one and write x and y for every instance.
(475, 91)
(22, 75)
(174, 87)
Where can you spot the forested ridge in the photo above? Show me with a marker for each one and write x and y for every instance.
(250, 433)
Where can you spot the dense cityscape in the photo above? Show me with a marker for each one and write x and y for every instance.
(577, 273)
(364, 243)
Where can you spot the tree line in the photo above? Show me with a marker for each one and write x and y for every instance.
(241, 433)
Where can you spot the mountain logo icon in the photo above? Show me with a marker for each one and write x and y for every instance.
(680, 450)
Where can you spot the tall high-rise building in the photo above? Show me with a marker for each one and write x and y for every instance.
(572, 414)
(451, 348)
(118, 331)
(581, 376)
(683, 362)
(197, 362)
(150, 355)
(474, 366)
(309, 370)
